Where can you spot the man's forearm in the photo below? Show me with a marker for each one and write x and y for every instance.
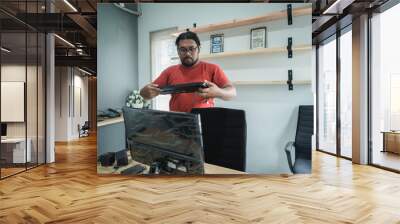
(227, 93)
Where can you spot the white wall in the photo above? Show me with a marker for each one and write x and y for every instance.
(33, 126)
(68, 80)
(16, 73)
(61, 103)
(271, 111)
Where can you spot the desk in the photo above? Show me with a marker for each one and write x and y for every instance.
(208, 168)
(13, 150)
(391, 141)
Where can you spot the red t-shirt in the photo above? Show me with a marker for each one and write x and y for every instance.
(177, 74)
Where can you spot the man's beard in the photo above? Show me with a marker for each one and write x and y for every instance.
(188, 63)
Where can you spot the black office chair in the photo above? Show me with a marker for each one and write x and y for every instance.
(84, 130)
(224, 136)
(300, 149)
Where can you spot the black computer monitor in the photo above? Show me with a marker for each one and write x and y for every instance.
(3, 129)
(169, 142)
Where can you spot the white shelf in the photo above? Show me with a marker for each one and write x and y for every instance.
(272, 82)
(272, 50)
(248, 21)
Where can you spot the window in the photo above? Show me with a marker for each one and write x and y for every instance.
(163, 55)
(346, 93)
(394, 102)
(327, 96)
(385, 89)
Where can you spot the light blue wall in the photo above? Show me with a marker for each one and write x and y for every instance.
(117, 68)
(271, 110)
(159, 16)
(111, 138)
(117, 55)
(271, 123)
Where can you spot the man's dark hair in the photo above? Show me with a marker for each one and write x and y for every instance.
(188, 35)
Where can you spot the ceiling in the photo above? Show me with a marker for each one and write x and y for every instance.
(77, 23)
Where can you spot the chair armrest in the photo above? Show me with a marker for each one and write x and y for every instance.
(290, 154)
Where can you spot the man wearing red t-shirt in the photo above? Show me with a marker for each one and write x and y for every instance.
(191, 70)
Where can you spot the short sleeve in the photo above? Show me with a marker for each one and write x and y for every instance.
(162, 79)
(219, 77)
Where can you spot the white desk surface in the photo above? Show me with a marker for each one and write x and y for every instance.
(110, 121)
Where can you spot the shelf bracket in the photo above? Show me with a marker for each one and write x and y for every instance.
(289, 47)
(290, 79)
(194, 27)
(289, 14)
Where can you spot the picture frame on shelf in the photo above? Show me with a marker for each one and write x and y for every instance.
(258, 37)
(216, 43)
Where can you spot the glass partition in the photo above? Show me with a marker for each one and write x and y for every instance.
(13, 93)
(22, 87)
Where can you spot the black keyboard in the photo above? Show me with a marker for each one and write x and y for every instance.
(183, 88)
(136, 169)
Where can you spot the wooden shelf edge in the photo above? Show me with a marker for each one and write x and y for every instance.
(243, 22)
(272, 82)
(252, 52)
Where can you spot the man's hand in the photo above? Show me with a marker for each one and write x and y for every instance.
(211, 92)
(150, 91)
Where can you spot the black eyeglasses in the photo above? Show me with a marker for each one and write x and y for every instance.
(183, 50)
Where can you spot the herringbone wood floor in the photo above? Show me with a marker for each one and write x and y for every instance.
(70, 191)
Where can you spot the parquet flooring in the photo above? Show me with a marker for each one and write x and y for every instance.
(9, 171)
(70, 191)
(387, 159)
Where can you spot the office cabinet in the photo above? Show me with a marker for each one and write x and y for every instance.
(391, 142)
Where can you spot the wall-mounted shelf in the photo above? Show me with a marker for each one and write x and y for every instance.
(252, 52)
(272, 82)
(252, 20)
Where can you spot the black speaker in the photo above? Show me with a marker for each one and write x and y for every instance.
(107, 159)
(122, 158)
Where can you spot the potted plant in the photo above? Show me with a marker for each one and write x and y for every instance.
(135, 100)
